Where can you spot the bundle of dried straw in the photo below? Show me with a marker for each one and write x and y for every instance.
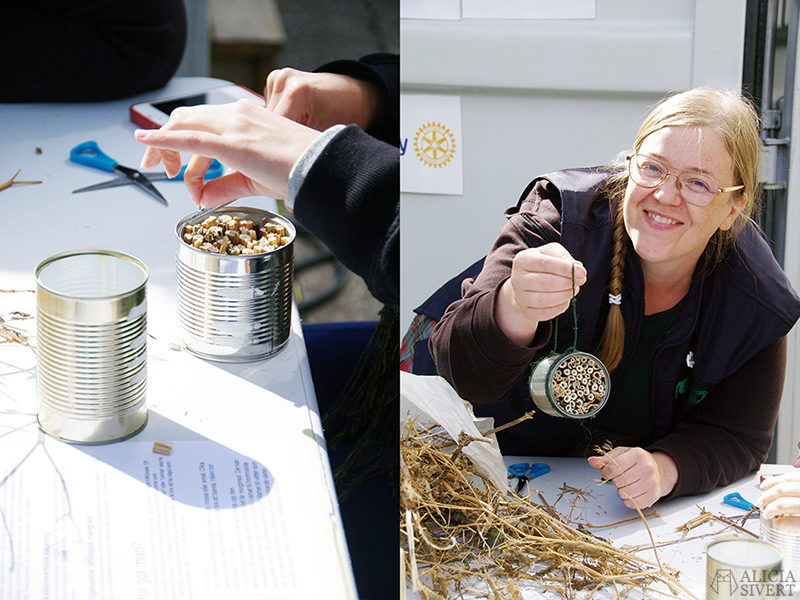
(462, 536)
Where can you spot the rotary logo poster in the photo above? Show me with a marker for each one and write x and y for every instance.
(430, 144)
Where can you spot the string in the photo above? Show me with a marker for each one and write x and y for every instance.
(574, 303)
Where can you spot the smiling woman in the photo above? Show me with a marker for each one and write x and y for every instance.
(673, 288)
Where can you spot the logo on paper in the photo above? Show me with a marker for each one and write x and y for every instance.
(434, 144)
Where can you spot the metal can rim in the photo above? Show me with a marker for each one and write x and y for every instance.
(99, 251)
(232, 210)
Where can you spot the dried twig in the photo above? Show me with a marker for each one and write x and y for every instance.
(13, 181)
(14, 333)
(460, 531)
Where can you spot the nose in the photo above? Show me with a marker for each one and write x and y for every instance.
(668, 194)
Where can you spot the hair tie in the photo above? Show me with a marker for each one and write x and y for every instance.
(615, 299)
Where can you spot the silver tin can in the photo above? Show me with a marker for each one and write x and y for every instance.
(784, 532)
(91, 321)
(234, 308)
(738, 567)
(585, 381)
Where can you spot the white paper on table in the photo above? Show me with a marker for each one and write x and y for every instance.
(122, 522)
(436, 398)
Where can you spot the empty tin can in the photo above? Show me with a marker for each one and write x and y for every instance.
(234, 308)
(91, 320)
(738, 567)
(574, 385)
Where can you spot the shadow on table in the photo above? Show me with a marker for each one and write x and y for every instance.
(198, 471)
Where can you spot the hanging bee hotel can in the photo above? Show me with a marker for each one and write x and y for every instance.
(575, 385)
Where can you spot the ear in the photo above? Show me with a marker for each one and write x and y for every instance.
(736, 207)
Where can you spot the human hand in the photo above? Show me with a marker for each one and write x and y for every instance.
(781, 495)
(321, 100)
(640, 476)
(540, 288)
(259, 146)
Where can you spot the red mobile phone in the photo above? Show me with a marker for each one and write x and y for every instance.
(154, 114)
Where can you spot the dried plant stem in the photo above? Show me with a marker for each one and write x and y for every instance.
(525, 417)
(460, 531)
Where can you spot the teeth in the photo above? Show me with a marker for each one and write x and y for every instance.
(662, 220)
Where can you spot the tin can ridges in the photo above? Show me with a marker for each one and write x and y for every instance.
(92, 350)
(235, 308)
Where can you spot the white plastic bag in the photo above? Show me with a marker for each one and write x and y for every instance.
(436, 398)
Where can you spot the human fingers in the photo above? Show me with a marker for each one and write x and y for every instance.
(153, 156)
(796, 463)
(781, 495)
(275, 85)
(634, 472)
(229, 187)
(543, 278)
(194, 176)
(785, 505)
(566, 265)
(612, 463)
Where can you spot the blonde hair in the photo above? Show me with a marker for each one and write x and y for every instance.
(736, 121)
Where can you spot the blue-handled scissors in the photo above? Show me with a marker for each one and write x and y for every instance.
(525, 471)
(735, 499)
(89, 154)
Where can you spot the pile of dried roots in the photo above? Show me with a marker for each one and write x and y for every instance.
(461, 534)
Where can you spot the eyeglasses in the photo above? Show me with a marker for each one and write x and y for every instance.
(696, 188)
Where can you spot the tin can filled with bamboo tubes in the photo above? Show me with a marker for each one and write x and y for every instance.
(574, 385)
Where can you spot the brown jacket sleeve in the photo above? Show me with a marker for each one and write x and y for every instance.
(470, 349)
(730, 432)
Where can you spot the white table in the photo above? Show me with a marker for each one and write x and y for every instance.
(604, 511)
(245, 506)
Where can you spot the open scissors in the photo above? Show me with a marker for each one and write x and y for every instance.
(525, 471)
(89, 154)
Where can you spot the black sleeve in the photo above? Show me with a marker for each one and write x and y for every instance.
(350, 200)
(382, 70)
(90, 50)
(730, 432)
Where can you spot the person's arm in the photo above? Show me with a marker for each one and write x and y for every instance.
(349, 199)
(471, 350)
(729, 433)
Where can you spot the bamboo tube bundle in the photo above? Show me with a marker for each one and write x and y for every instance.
(460, 534)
